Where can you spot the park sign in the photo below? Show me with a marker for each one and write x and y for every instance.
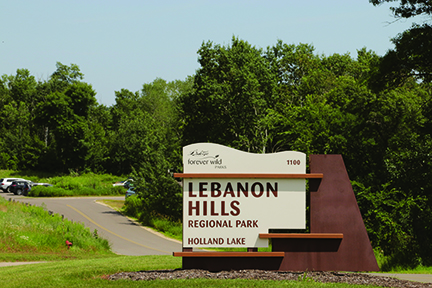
(234, 199)
(231, 196)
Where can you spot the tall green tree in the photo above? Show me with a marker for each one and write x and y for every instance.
(97, 137)
(232, 94)
(146, 143)
(64, 114)
(19, 144)
(147, 121)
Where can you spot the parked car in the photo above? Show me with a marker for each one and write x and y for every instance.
(42, 184)
(128, 184)
(130, 192)
(6, 182)
(20, 187)
(122, 183)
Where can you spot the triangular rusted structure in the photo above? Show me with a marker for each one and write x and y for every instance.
(333, 209)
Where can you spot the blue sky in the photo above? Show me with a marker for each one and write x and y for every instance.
(124, 44)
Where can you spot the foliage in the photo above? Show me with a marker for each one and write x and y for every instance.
(41, 191)
(133, 207)
(410, 59)
(158, 191)
(143, 123)
(232, 93)
(403, 210)
(170, 228)
(408, 8)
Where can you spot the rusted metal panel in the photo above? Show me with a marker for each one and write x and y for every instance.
(333, 209)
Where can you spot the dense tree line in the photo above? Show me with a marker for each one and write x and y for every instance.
(287, 98)
(375, 111)
(57, 125)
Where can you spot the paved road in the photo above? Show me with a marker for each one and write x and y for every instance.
(125, 236)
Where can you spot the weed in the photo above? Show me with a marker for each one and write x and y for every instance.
(305, 278)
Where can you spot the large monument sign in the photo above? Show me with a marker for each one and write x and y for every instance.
(234, 199)
(231, 212)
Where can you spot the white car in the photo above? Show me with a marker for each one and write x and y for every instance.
(5, 183)
(123, 183)
(41, 184)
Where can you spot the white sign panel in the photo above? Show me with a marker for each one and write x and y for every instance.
(231, 212)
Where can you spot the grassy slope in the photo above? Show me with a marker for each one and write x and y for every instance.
(29, 233)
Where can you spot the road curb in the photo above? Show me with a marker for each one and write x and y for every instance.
(423, 278)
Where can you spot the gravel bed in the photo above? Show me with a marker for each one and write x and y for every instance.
(325, 277)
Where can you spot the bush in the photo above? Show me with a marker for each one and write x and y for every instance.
(133, 207)
(173, 229)
(160, 195)
(42, 191)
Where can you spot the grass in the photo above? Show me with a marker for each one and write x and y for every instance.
(91, 273)
(29, 233)
(114, 204)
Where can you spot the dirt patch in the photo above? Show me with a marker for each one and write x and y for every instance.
(3, 208)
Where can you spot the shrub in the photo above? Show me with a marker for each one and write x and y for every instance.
(133, 207)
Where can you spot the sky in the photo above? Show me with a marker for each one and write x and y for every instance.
(125, 44)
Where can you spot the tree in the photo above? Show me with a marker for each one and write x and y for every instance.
(408, 8)
(97, 136)
(64, 76)
(140, 116)
(411, 58)
(145, 143)
(19, 144)
(64, 113)
(232, 92)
